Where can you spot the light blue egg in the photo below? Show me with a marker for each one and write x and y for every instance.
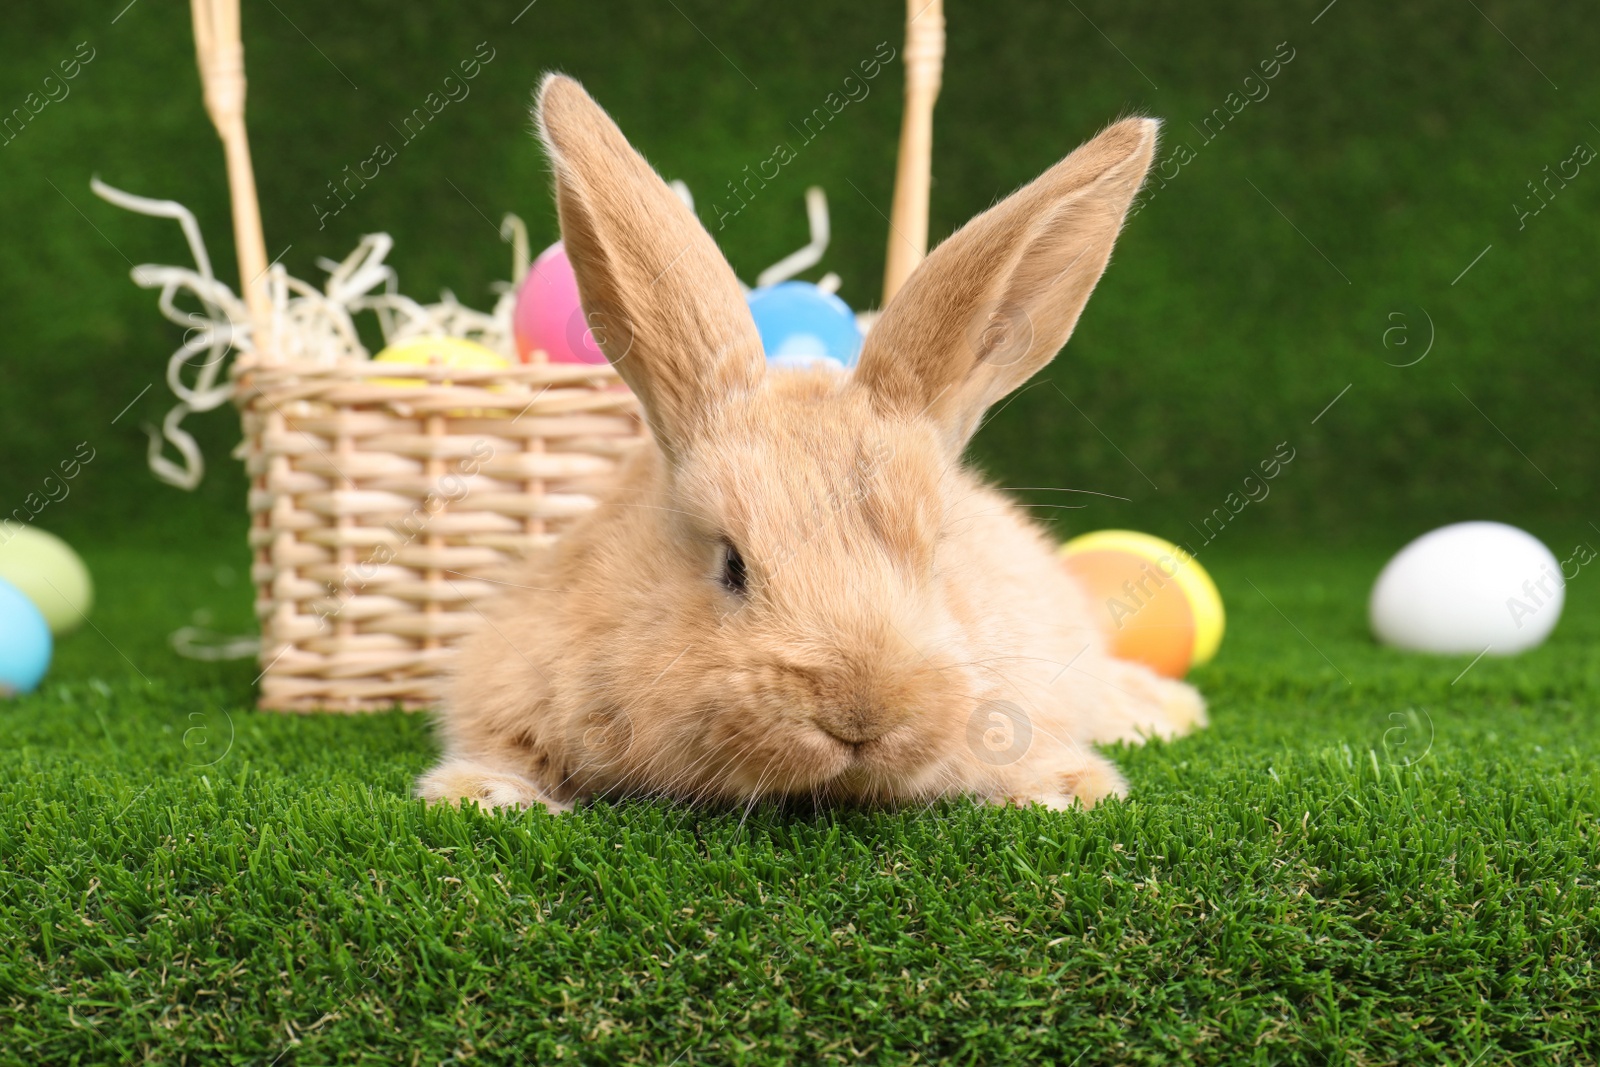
(800, 326)
(25, 643)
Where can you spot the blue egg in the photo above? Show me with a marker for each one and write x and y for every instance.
(25, 642)
(800, 325)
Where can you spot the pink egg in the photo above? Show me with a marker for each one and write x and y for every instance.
(549, 316)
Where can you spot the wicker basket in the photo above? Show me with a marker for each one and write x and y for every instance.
(381, 513)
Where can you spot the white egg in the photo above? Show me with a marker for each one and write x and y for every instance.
(1467, 588)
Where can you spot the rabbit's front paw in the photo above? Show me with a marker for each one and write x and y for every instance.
(455, 780)
(1082, 786)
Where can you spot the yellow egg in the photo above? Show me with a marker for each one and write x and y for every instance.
(444, 352)
(438, 352)
(1155, 602)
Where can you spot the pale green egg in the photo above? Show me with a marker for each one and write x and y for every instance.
(49, 573)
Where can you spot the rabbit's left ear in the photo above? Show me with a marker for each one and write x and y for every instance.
(994, 303)
(663, 303)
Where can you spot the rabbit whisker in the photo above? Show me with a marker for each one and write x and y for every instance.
(1053, 489)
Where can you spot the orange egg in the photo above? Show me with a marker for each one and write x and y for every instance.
(1152, 600)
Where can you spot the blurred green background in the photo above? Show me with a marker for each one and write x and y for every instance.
(1387, 155)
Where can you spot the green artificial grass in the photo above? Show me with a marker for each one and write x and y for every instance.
(1370, 858)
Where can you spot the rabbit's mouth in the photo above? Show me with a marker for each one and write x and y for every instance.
(854, 732)
(877, 730)
(858, 753)
(817, 762)
(875, 766)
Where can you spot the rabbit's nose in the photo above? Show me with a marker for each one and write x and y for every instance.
(855, 725)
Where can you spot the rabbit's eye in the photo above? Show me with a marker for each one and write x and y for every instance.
(733, 571)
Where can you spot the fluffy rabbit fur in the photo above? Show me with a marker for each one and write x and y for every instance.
(797, 588)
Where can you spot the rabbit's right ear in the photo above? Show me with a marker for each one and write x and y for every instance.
(993, 304)
(663, 303)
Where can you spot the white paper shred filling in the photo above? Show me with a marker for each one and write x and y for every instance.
(308, 324)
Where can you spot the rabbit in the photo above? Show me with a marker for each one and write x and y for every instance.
(796, 588)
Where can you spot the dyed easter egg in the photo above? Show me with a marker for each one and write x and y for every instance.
(1154, 602)
(800, 325)
(25, 642)
(48, 572)
(549, 317)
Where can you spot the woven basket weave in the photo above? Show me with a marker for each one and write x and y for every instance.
(383, 512)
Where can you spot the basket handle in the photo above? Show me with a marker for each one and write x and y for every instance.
(220, 55)
(908, 216)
